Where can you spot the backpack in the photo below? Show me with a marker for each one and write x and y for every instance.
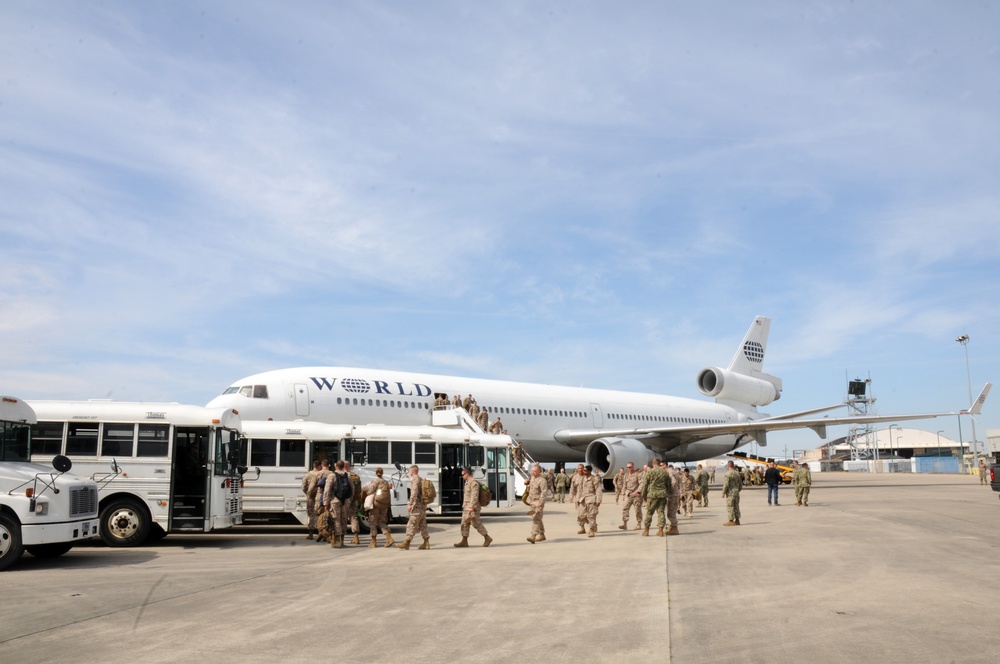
(427, 491)
(382, 499)
(485, 495)
(342, 489)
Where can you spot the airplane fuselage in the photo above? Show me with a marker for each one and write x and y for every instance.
(532, 414)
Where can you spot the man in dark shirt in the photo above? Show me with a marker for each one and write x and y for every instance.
(772, 478)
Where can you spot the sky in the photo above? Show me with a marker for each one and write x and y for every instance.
(593, 194)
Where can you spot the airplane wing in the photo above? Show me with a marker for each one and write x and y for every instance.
(663, 439)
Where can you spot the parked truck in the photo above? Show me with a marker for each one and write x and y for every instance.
(43, 511)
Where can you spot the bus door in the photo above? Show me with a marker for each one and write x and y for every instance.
(190, 479)
(452, 487)
(497, 473)
(324, 450)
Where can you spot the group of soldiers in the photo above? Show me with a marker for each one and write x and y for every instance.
(480, 415)
(334, 498)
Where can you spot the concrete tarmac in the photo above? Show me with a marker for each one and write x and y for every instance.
(878, 568)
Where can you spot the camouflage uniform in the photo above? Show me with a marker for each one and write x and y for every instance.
(323, 478)
(536, 506)
(339, 509)
(309, 488)
(674, 498)
(562, 483)
(687, 493)
(418, 512)
(731, 486)
(378, 515)
(655, 487)
(355, 506)
(802, 484)
(702, 481)
(470, 501)
(589, 499)
(574, 490)
(630, 485)
(984, 473)
(617, 482)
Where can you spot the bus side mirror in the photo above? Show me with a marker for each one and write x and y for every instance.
(398, 467)
(114, 467)
(62, 463)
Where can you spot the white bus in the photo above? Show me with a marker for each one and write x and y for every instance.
(41, 511)
(283, 451)
(160, 467)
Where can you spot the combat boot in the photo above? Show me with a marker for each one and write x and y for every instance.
(463, 544)
(426, 544)
(372, 544)
(592, 533)
(338, 542)
(355, 540)
(638, 527)
(310, 535)
(582, 531)
(539, 538)
(673, 531)
(487, 540)
(388, 540)
(729, 523)
(737, 522)
(659, 532)
(405, 546)
(531, 539)
(645, 532)
(624, 526)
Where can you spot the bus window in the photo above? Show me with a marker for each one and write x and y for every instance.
(153, 440)
(425, 453)
(293, 454)
(475, 456)
(378, 452)
(14, 441)
(118, 440)
(402, 453)
(81, 440)
(229, 451)
(46, 438)
(263, 452)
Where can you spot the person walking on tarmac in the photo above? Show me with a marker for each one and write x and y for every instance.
(418, 513)
(471, 509)
(732, 483)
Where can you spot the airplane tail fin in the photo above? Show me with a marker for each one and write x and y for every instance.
(977, 405)
(749, 358)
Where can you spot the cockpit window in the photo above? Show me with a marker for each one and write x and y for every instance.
(231, 390)
(246, 390)
(260, 391)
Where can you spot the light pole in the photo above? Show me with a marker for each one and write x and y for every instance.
(890, 443)
(940, 431)
(898, 438)
(964, 340)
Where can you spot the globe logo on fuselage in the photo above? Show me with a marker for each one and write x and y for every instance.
(355, 385)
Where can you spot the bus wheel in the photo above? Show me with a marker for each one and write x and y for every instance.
(124, 523)
(53, 550)
(10, 541)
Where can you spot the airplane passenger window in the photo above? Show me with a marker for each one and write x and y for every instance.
(355, 402)
(338, 401)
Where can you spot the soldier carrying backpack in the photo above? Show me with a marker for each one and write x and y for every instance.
(417, 507)
(471, 506)
(339, 493)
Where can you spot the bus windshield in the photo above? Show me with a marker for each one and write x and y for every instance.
(228, 447)
(14, 441)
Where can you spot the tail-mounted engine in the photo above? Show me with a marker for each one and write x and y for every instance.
(725, 385)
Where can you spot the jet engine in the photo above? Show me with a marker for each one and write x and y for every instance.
(727, 385)
(608, 455)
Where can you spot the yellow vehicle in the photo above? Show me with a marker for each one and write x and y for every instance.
(786, 471)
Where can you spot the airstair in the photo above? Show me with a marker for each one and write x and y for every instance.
(451, 417)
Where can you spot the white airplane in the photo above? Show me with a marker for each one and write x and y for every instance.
(605, 428)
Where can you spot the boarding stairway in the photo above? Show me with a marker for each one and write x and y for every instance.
(452, 417)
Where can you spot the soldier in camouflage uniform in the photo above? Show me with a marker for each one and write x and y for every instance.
(673, 500)
(339, 508)
(562, 484)
(589, 497)
(631, 482)
(418, 513)
(574, 489)
(701, 480)
(378, 515)
(802, 478)
(536, 489)
(309, 488)
(687, 493)
(322, 507)
(655, 488)
(355, 507)
(732, 483)
(471, 509)
(617, 482)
